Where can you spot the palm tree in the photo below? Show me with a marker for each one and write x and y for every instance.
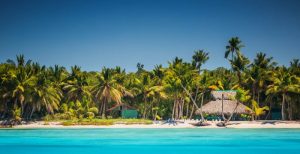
(57, 74)
(76, 86)
(175, 91)
(295, 67)
(150, 88)
(283, 82)
(23, 81)
(159, 74)
(257, 74)
(7, 85)
(239, 65)
(140, 68)
(20, 61)
(108, 89)
(234, 47)
(45, 95)
(199, 58)
(186, 76)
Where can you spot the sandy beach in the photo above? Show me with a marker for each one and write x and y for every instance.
(186, 124)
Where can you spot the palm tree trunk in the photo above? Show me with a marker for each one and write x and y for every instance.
(282, 107)
(182, 110)
(239, 77)
(187, 110)
(237, 104)
(192, 112)
(290, 110)
(196, 94)
(151, 111)
(103, 108)
(100, 108)
(258, 96)
(223, 116)
(176, 110)
(155, 114)
(31, 113)
(253, 96)
(173, 111)
(269, 112)
(201, 113)
(190, 96)
(145, 104)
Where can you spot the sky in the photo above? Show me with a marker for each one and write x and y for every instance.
(95, 33)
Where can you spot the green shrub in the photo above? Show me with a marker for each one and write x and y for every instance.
(16, 116)
(64, 108)
(94, 110)
(90, 115)
(80, 116)
(58, 117)
(67, 123)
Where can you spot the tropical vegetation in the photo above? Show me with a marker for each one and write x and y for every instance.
(30, 91)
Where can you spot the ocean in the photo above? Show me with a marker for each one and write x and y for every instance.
(149, 141)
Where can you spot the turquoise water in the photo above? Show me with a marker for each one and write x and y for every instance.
(149, 141)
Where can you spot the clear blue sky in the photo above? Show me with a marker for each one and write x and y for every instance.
(93, 34)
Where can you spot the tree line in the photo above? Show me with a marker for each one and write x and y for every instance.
(30, 91)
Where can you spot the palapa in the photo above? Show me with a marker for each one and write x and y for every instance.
(229, 104)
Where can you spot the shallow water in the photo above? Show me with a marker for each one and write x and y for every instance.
(149, 141)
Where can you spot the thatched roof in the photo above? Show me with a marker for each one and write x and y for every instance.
(227, 94)
(215, 107)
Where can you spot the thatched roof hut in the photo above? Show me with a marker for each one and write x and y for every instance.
(215, 107)
(229, 104)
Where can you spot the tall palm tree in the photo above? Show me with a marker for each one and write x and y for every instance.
(7, 85)
(150, 88)
(199, 58)
(23, 81)
(295, 67)
(257, 75)
(234, 46)
(108, 89)
(57, 74)
(159, 74)
(175, 91)
(45, 95)
(239, 65)
(76, 86)
(20, 61)
(185, 75)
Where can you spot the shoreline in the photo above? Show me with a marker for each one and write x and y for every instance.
(186, 124)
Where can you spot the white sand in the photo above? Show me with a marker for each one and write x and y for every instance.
(186, 124)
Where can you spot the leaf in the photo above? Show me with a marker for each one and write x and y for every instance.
(213, 87)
